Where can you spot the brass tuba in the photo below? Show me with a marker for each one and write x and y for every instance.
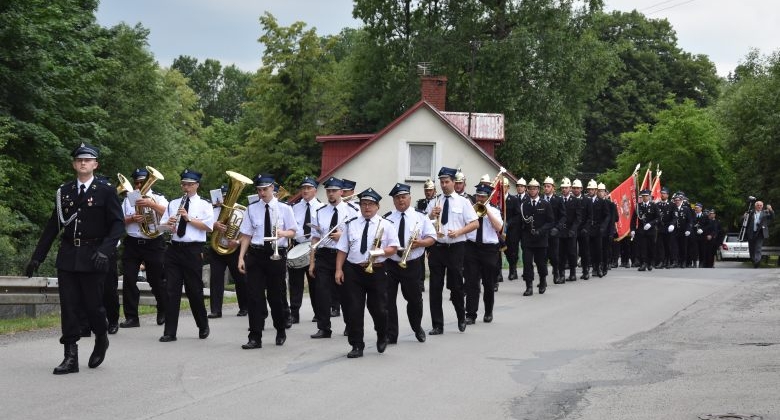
(231, 214)
(481, 209)
(124, 184)
(150, 224)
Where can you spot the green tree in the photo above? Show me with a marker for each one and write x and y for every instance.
(653, 68)
(750, 111)
(221, 91)
(687, 142)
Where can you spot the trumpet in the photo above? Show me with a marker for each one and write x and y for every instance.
(408, 249)
(437, 222)
(326, 237)
(124, 184)
(275, 230)
(480, 208)
(348, 198)
(374, 246)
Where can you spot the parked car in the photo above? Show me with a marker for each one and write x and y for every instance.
(733, 249)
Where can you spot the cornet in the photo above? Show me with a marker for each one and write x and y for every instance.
(437, 222)
(408, 249)
(377, 244)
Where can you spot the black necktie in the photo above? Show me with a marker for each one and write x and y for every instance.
(401, 230)
(364, 239)
(479, 230)
(267, 222)
(182, 228)
(335, 219)
(533, 204)
(81, 191)
(306, 221)
(445, 210)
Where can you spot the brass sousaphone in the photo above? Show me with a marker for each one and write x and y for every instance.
(150, 225)
(231, 214)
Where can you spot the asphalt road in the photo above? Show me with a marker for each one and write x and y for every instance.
(670, 344)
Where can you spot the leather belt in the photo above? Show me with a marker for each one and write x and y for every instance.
(375, 265)
(324, 250)
(266, 248)
(142, 241)
(184, 244)
(80, 242)
(445, 245)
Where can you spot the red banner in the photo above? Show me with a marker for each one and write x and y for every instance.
(655, 192)
(647, 181)
(499, 196)
(625, 198)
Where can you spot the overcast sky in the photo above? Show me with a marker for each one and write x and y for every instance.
(227, 30)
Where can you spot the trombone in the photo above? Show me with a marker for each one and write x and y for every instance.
(480, 208)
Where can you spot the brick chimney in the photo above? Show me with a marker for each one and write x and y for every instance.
(434, 90)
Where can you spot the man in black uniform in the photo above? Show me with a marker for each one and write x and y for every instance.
(643, 229)
(696, 240)
(583, 236)
(89, 214)
(538, 219)
(680, 229)
(513, 227)
(663, 252)
(559, 214)
(567, 243)
(601, 217)
(713, 236)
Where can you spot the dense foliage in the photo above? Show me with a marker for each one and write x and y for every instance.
(581, 90)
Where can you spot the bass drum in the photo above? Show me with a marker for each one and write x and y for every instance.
(298, 256)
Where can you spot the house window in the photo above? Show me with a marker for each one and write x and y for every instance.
(420, 160)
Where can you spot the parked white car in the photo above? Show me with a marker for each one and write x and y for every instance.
(733, 249)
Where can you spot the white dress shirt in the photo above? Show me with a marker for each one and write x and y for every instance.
(413, 219)
(461, 213)
(199, 209)
(299, 210)
(352, 237)
(254, 221)
(134, 229)
(489, 235)
(321, 218)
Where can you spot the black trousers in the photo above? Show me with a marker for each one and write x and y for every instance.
(646, 242)
(446, 259)
(219, 263)
(295, 278)
(711, 248)
(512, 246)
(265, 282)
(151, 253)
(365, 290)
(595, 247)
(80, 293)
(184, 266)
(583, 245)
(110, 294)
(552, 253)
(408, 279)
(538, 256)
(481, 265)
(663, 247)
(567, 249)
(679, 247)
(324, 281)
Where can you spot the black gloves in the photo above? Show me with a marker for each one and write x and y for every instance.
(100, 261)
(554, 232)
(31, 268)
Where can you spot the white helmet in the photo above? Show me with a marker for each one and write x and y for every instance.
(533, 183)
(521, 181)
(459, 177)
(592, 184)
(566, 183)
(576, 184)
(601, 186)
(485, 178)
(549, 180)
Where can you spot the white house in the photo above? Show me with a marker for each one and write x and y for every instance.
(412, 148)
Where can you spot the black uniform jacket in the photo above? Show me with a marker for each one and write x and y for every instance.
(537, 223)
(97, 225)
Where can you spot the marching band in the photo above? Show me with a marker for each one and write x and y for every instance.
(351, 257)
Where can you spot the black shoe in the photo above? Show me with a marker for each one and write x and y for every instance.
(436, 331)
(203, 333)
(346, 331)
(160, 318)
(462, 325)
(381, 345)
(113, 328)
(649, 267)
(642, 268)
(130, 323)
(295, 318)
(315, 319)
(167, 338)
(70, 364)
(252, 344)
(488, 318)
(215, 315)
(86, 332)
(572, 278)
(321, 334)
(242, 312)
(281, 337)
(420, 335)
(392, 340)
(355, 352)
(500, 277)
(542, 289)
(512, 275)
(335, 312)
(528, 291)
(99, 352)
(495, 287)
(288, 322)
(470, 320)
